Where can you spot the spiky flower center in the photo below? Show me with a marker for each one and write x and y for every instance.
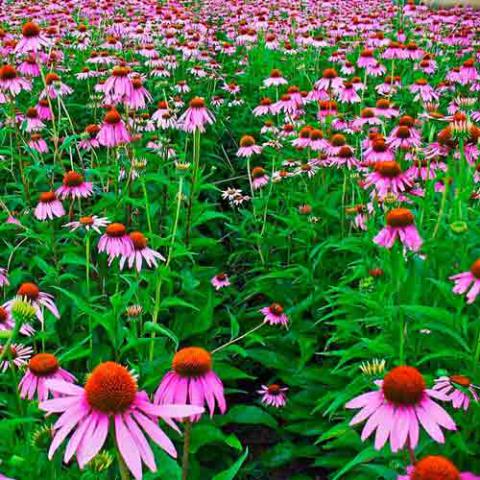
(192, 362)
(139, 240)
(435, 468)
(31, 113)
(316, 134)
(247, 141)
(276, 309)
(258, 172)
(274, 389)
(29, 290)
(110, 388)
(112, 117)
(403, 132)
(72, 179)
(367, 113)
(338, 140)
(475, 268)
(88, 220)
(121, 71)
(345, 152)
(461, 380)
(7, 72)
(221, 276)
(390, 169)
(43, 364)
(406, 121)
(116, 230)
(51, 78)
(92, 130)
(47, 197)
(265, 102)
(3, 315)
(30, 30)
(400, 217)
(329, 73)
(197, 102)
(379, 145)
(404, 386)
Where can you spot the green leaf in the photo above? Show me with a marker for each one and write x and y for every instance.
(230, 473)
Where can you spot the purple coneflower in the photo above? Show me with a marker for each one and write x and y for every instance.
(248, 147)
(74, 186)
(42, 367)
(220, 280)
(110, 395)
(115, 241)
(11, 83)
(274, 315)
(398, 408)
(435, 467)
(455, 388)
(273, 395)
(3, 277)
(275, 79)
(49, 207)
(196, 116)
(139, 253)
(259, 178)
(400, 224)
(113, 131)
(192, 381)
(18, 357)
(468, 281)
(388, 177)
(32, 39)
(88, 222)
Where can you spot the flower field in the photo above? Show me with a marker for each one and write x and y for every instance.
(240, 240)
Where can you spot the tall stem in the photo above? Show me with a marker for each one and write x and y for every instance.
(196, 166)
(186, 449)
(235, 340)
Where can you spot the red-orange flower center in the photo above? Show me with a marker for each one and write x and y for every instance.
(274, 389)
(72, 179)
(247, 141)
(403, 386)
(86, 220)
(139, 240)
(47, 197)
(43, 364)
(390, 169)
(30, 29)
(112, 117)
(192, 362)
(461, 380)
(116, 230)
(400, 217)
(435, 468)
(7, 72)
(3, 315)
(338, 140)
(276, 309)
(29, 290)
(110, 388)
(197, 102)
(475, 268)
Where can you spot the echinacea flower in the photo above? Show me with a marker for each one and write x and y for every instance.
(49, 207)
(115, 241)
(398, 409)
(74, 186)
(248, 147)
(400, 224)
(32, 40)
(259, 178)
(113, 131)
(220, 280)
(11, 82)
(455, 388)
(275, 79)
(3, 277)
(273, 395)
(196, 116)
(42, 367)
(139, 253)
(192, 381)
(17, 357)
(468, 281)
(88, 222)
(274, 315)
(36, 298)
(388, 177)
(110, 395)
(436, 467)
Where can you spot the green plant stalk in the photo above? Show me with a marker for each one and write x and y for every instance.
(196, 167)
(147, 207)
(186, 449)
(122, 466)
(158, 287)
(237, 339)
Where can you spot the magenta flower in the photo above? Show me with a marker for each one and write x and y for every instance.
(118, 87)
(19, 356)
(192, 381)
(38, 299)
(455, 388)
(436, 467)
(248, 147)
(196, 116)
(42, 367)
(400, 224)
(273, 395)
(259, 178)
(275, 79)
(88, 222)
(110, 396)
(468, 281)
(74, 186)
(32, 39)
(115, 241)
(139, 96)
(11, 83)
(49, 207)
(388, 177)
(37, 143)
(274, 315)
(113, 131)
(220, 280)
(139, 253)
(398, 408)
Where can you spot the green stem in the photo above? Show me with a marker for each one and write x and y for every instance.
(147, 207)
(186, 449)
(122, 466)
(235, 340)
(196, 166)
